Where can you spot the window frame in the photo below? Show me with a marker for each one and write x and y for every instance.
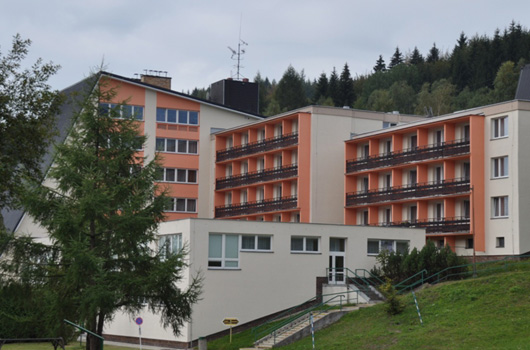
(256, 248)
(171, 237)
(395, 243)
(177, 143)
(500, 167)
(165, 171)
(136, 111)
(500, 207)
(164, 117)
(499, 127)
(174, 206)
(500, 242)
(304, 249)
(223, 259)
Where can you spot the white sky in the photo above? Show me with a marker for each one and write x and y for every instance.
(189, 39)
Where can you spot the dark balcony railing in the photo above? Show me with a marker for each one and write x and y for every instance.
(445, 149)
(258, 147)
(264, 206)
(436, 225)
(426, 189)
(277, 173)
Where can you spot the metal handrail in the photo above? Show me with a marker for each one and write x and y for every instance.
(387, 158)
(257, 146)
(292, 315)
(460, 272)
(256, 176)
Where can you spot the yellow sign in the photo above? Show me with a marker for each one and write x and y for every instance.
(229, 321)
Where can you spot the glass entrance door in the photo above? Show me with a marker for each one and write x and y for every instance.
(337, 255)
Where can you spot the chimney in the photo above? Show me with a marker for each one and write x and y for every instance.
(156, 80)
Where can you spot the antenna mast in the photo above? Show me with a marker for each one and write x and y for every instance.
(237, 55)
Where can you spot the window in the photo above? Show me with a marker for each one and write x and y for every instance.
(499, 167)
(466, 170)
(243, 197)
(365, 151)
(305, 244)
(278, 130)
(413, 178)
(388, 124)
(165, 115)
(499, 127)
(438, 174)
(244, 139)
(500, 207)
(177, 175)
(469, 243)
(169, 245)
(261, 134)
(121, 111)
(223, 251)
(499, 242)
(439, 137)
(260, 194)
(256, 243)
(375, 246)
(466, 209)
(387, 147)
(176, 146)
(182, 205)
(364, 218)
(466, 132)
(413, 142)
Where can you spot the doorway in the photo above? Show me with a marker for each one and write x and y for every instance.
(337, 256)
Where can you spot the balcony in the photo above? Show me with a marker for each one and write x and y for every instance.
(277, 173)
(445, 149)
(264, 206)
(419, 190)
(457, 224)
(257, 147)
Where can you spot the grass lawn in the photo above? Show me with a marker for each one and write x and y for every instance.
(488, 312)
(49, 346)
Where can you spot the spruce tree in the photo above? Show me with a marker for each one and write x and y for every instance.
(101, 215)
(333, 88)
(321, 89)
(346, 93)
(380, 65)
(416, 57)
(290, 92)
(397, 58)
(434, 54)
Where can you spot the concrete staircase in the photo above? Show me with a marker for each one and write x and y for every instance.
(301, 328)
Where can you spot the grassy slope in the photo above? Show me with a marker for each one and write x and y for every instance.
(491, 312)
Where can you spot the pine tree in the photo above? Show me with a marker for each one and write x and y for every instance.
(102, 216)
(380, 65)
(397, 58)
(346, 93)
(459, 63)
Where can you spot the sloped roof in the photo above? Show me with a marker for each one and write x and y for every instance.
(523, 87)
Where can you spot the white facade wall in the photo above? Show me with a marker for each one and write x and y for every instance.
(264, 282)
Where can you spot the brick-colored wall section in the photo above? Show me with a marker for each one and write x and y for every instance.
(163, 82)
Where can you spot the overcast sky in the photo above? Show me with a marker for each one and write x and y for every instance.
(190, 39)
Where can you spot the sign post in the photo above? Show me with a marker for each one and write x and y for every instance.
(139, 322)
(230, 321)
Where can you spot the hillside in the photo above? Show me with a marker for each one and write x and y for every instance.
(483, 313)
(488, 312)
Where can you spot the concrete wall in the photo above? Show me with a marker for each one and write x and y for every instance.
(264, 282)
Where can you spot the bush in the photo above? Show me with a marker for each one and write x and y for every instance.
(393, 305)
(398, 266)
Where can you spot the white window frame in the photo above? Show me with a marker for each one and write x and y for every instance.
(177, 115)
(499, 207)
(499, 167)
(223, 259)
(188, 201)
(188, 142)
(304, 249)
(187, 181)
(256, 247)
(168, 242)
(499, 127)
(137, 112)
(500, 242)
(385, 242)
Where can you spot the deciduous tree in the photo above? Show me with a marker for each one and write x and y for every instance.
(28, 107)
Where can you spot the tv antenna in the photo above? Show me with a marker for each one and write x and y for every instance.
(237, 55)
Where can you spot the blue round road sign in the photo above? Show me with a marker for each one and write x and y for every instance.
(139, 321)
